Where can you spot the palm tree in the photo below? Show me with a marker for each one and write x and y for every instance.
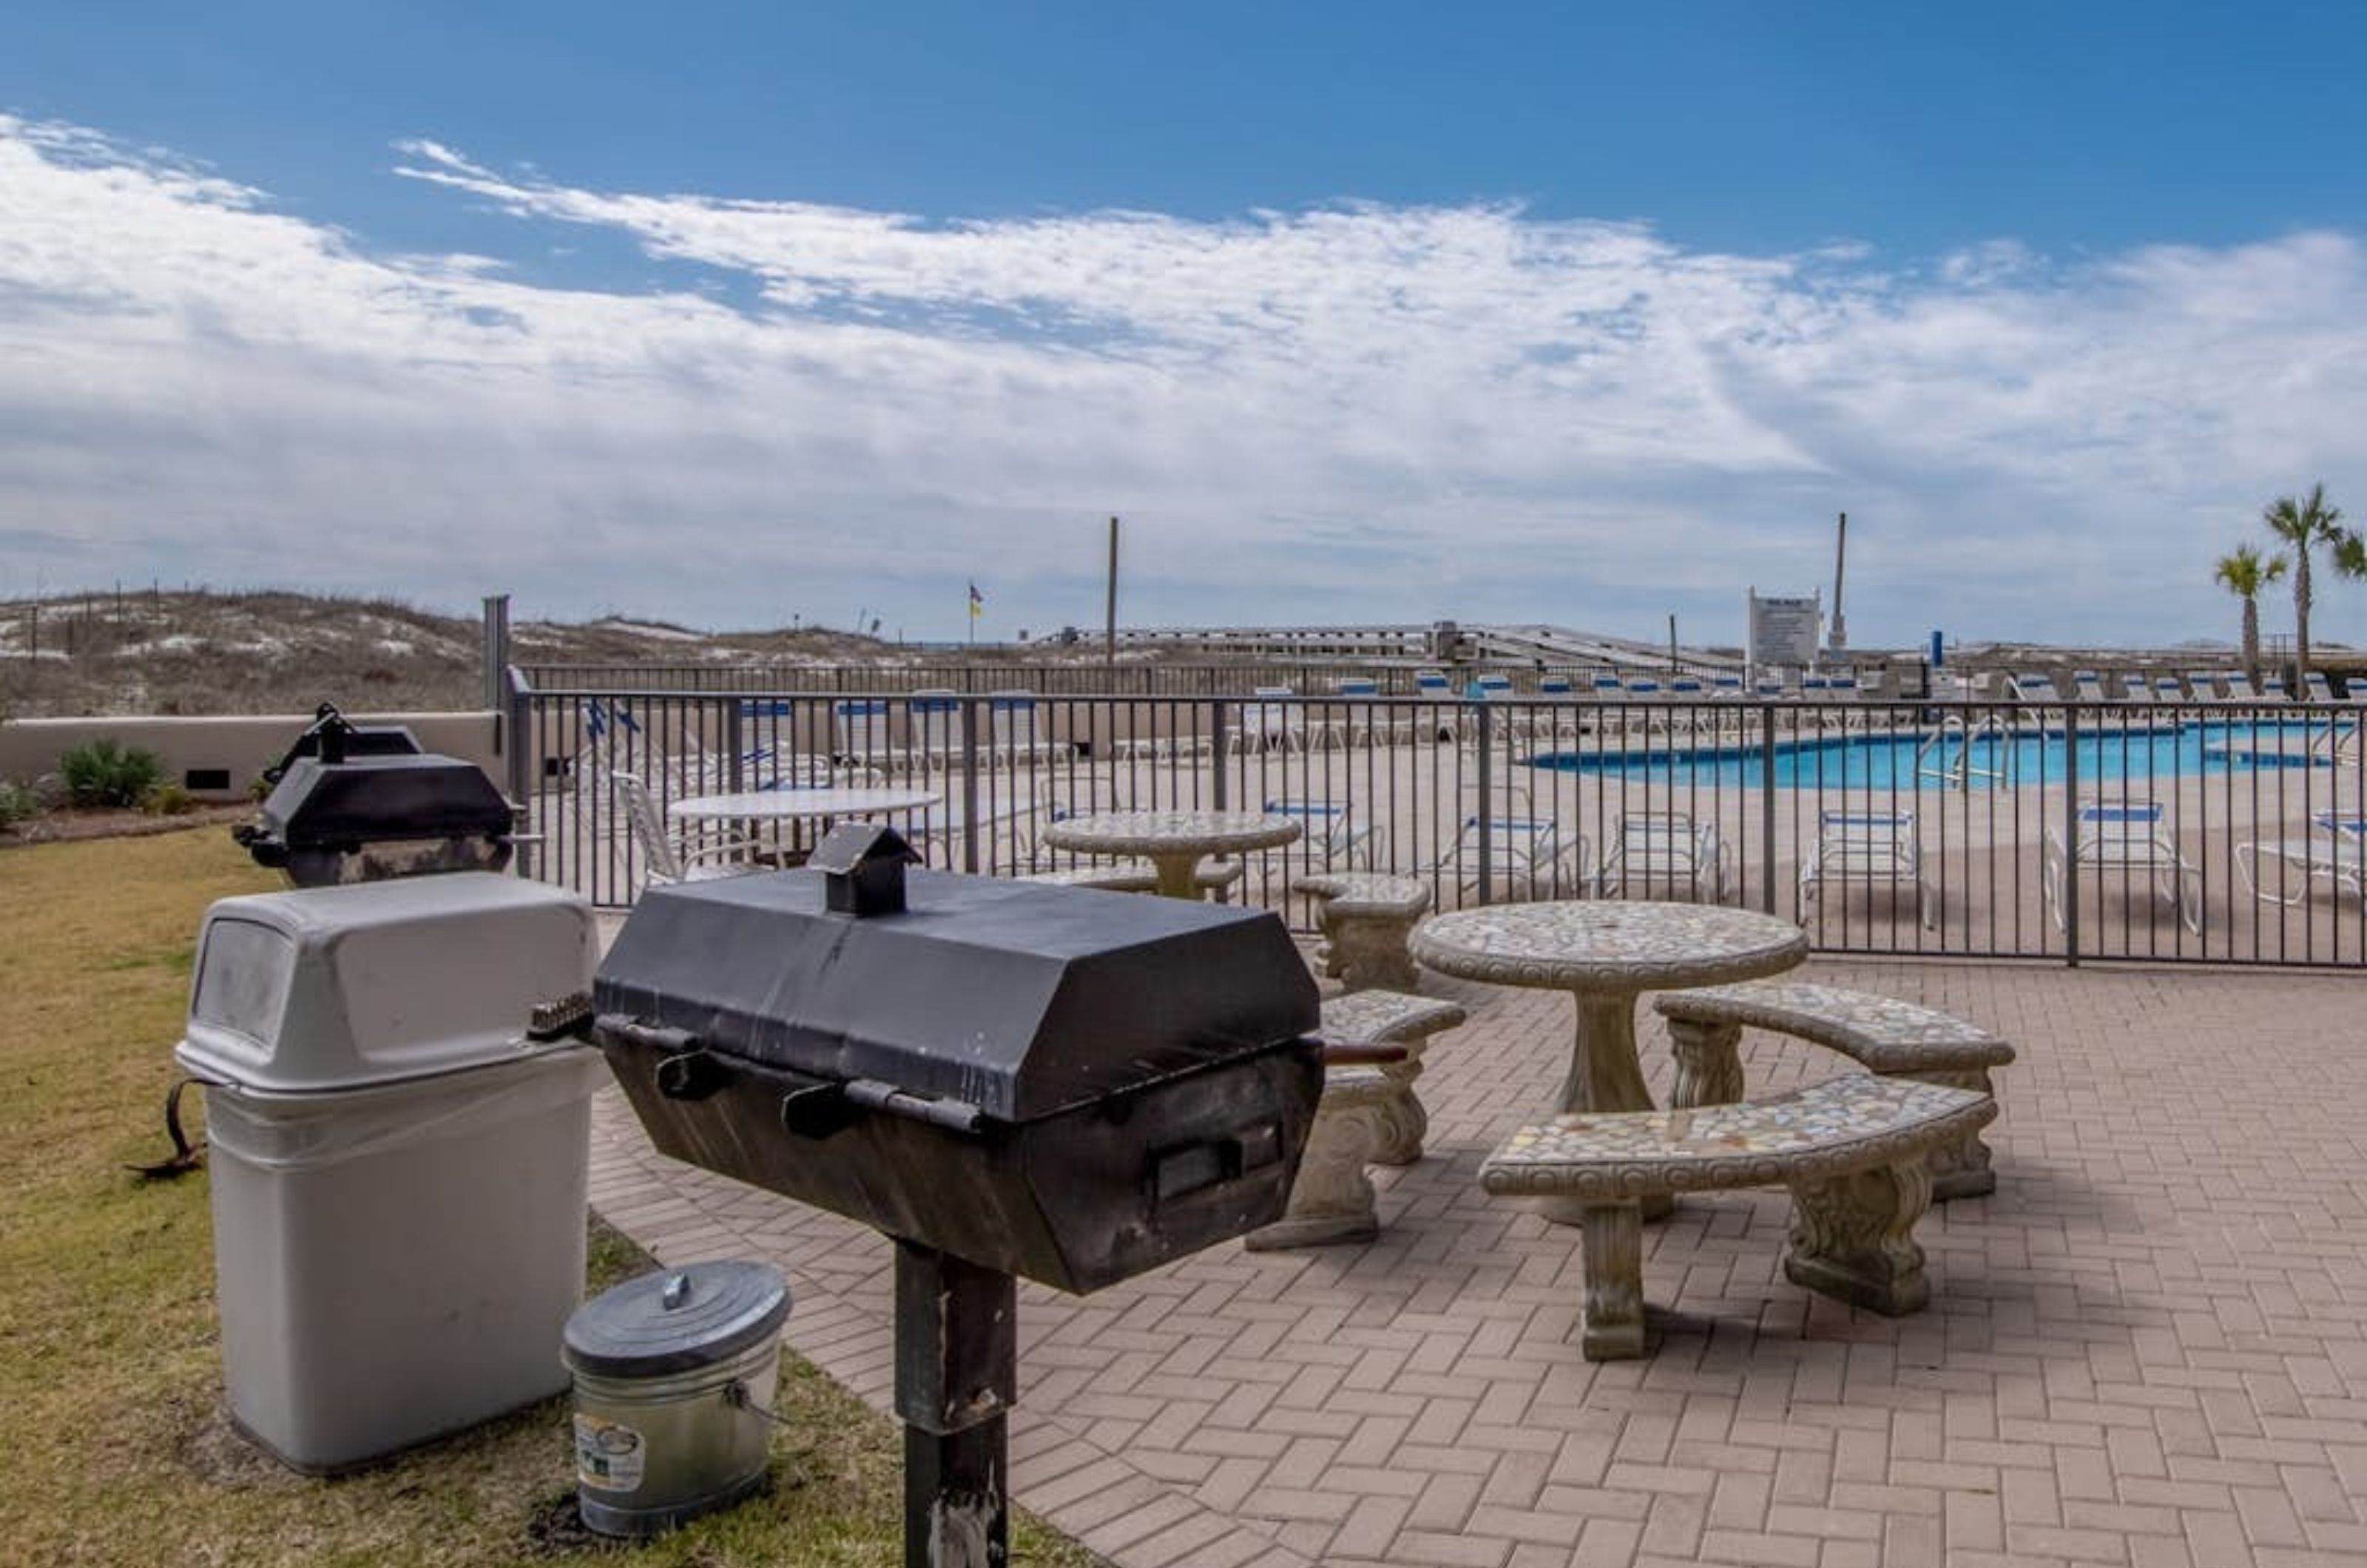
(2305, 525)
(2244, 574)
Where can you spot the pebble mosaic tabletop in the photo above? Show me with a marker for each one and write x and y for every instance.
(1155, 832)
(1609, 945)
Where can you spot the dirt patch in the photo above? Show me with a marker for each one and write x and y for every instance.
(218, 1453)
(69, 827)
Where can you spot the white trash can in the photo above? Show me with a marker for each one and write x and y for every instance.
(398, 1173)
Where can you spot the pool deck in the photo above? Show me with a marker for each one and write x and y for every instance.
(2148, 1348)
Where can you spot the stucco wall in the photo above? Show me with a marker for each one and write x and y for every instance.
(239, 747)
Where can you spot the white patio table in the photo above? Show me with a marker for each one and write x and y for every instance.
(1173, 841)
(797, 805)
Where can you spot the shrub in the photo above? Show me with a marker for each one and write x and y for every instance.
(167, 799)
(19, 802)
(107, 772)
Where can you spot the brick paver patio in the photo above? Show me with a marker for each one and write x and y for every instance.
(2149, 1347)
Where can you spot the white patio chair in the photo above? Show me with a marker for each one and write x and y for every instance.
(2087, 686)
(1868, 848)
(2318, 688)
(2204, 684)
(2240, 688)
(665, 861)
(2165, 689)
(2129, 837)
(2031, 686)
(1664, 849)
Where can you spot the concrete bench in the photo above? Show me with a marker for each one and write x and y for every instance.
(1368, 1116)
(1884, 1035)
(1392, 1017)
(1853, 1149)
(1365, 918)
(1331, 1200)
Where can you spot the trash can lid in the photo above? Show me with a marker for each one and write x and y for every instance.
(676, 1320)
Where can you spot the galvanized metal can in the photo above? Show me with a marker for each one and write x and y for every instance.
(675, 1377)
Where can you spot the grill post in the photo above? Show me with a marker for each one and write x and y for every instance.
(956, 1379)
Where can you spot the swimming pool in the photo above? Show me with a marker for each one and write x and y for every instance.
(1900, 761)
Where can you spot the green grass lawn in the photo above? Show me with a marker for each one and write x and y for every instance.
(119, 1451)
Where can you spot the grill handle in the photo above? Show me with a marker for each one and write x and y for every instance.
(873, 1095)
(825, 1109)
(1361, 1054)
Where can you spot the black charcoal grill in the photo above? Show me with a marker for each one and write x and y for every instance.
(353, 803)
(1010, 1079)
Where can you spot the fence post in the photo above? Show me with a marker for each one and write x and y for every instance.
(2070, 836)
(1487, 824)
(1767, 806)
(735, 740)
(1216, 752)
(523, 763)
(971, 711)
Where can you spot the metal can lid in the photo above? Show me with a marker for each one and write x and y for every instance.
(676, 1320)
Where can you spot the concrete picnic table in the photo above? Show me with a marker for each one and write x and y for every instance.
(1174, 842)
(1606, 952)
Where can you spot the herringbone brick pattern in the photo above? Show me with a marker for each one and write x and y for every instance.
(2150, 1348)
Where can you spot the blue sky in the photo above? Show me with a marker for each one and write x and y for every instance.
(1373, 311)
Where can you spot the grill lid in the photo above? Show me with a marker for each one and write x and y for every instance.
(1016, 998)
(342, 806)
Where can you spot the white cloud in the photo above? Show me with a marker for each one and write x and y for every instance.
(1357, 412)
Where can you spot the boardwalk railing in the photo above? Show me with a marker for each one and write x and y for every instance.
(2220, 833)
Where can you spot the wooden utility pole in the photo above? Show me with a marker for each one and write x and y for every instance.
(1109, 610)
(1840, 559)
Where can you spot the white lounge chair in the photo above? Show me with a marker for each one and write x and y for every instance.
(2240, 688)
(2087, 686)
(1667, 851)
(664, 859)
(2320, 689)
(937, 727)
(1868, 848)
(2336, 855)
(2033, 687)
(2130, 837)
(2165, 689)
(865, 733)
(1018, 741)
(1271, 725)
(2204, 684)
(1518, 850)
(1331, 837)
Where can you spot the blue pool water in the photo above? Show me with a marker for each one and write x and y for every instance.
(1887, 761)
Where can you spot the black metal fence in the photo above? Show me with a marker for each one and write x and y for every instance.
(2217, 831)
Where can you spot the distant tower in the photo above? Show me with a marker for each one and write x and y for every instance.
(1840, 559)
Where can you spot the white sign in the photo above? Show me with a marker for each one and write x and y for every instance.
(1786, 631)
